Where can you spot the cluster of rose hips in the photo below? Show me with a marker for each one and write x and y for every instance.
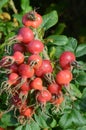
(29, 71)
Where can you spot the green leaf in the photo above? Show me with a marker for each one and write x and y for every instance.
(58, 51)
(53, 123)
(52, 52)
(81, 128)
(58, 40)
(75, 91)
(81, 79)
(60, 28)
(19, 127)
(72, 119)
(25, 6)
(39, 119)
(83, 101)
(81, 50)
(83, 104)
(49, 20)
(84, 93)
(9, 120)
(2, 3)
(34, 126)
(77, 118)
(71, 45)
(2, 124)
(18, 17)
(27, 127)
(65, 121)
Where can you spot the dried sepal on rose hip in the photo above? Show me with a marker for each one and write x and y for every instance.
(17, 58)
(35, 61)
(24, 35)
(32, 19)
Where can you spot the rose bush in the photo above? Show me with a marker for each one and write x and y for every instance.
(42, 78)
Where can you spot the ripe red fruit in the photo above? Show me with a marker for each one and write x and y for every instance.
(59, 100)
(7, 61)
(25, 86)
(25, 35)
(35, 61)
(35, 47)
(66, 59)
(26, 71)
(44, 96)
(13, 68)
(18, 57)
(13, 77)
(18, 47)
(32, 19)
(23, 93)
(64, 77)
(12, 80)
(45, 68)
(54, 88)
(27, 112)
(36, 84)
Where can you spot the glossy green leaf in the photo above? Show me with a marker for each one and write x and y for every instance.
(81, 128)
(19, 128)
(53, 123)
(72, 119)
(58, 40)
(2, 124)
(58, 51)
(75, 91)
(49, 20)
(83, 101)
(27, 127)
(25, 6)
(84, 93)
(2, 3)
(77, 118)
(52, 52)
(34, 126)
(81, 79)
(66, 121)
(83, 104)
(39, 119)
(60, 28)
(18, 17)
(81, 50)
(71, 45)
(9, 120)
